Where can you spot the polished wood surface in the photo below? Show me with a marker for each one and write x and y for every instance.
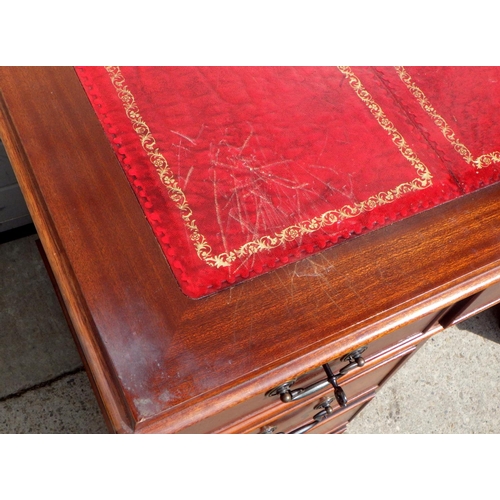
(161, 361)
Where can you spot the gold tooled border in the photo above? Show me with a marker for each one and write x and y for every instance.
(225, 259)
(479, 162)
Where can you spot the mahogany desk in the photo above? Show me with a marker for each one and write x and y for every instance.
(161, 362)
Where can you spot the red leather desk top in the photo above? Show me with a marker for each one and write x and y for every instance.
(240, 170)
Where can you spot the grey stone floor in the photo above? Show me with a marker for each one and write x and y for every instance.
(451, 385)
(43, 386)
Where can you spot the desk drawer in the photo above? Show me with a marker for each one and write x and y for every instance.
(237, 418)
(388, 343)
(365, 381)
(470, 306)
(339, 423)
(13, 210)
(308, 425)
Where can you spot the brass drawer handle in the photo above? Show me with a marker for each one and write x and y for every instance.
(287, 396)
(326, 411)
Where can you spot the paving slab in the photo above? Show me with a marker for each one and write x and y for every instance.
(65, 406)
(450, 386)
(35, 342)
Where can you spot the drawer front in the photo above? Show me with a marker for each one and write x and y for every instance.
(13, 210)
(472, 305)
(338, 424)
(254, 408)
(303, 422)
(409, 333)
(7, 177)
(364, 382)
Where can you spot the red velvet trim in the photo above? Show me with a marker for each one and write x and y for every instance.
(251, 155)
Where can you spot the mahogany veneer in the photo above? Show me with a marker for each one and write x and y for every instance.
(161, 362)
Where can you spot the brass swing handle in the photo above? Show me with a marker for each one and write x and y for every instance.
(287, 395)
(319, 417)
(326, 411)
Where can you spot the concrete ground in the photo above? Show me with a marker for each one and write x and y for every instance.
(451, 385)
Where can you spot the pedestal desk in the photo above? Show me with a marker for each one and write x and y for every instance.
(238, 360)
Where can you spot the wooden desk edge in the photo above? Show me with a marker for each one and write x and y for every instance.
(116, 416)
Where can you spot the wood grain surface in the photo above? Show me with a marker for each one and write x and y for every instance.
(161, 361)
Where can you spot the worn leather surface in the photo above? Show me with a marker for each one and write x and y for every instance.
(241, 170)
